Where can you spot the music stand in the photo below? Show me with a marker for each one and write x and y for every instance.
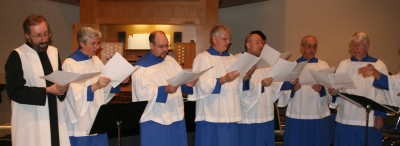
(118, 116)
(368, 105)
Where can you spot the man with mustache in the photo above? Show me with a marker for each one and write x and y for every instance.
(307, 114)
(37, 119)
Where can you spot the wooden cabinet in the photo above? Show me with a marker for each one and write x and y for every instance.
(184, 54)
(134, 55)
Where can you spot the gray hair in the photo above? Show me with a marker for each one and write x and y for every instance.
(303, 40)
(360, 37)
(88, 33)
(216, 30)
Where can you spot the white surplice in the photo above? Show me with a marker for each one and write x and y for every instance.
(349, 113)
(258, 107)
(81, 112)
(31, 123)
(394, 90)
(219, 108)
(307, 103)
(145, 83)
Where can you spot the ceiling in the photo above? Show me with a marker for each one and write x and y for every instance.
(222, 3)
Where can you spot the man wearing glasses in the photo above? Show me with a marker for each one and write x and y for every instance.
(307, 122)
(37, 118)
(350, 126)
(162, 122)
(217, 93)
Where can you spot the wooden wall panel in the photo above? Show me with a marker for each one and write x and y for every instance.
(148, 13)
(202, 13)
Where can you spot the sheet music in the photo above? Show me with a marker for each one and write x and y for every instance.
(307, 79)
(269, 56)
(331, 80)
(281, 70)
(63, 77)
(244, 63)
(117, 68)
(342, 81)
(295, 73)
(186, 76)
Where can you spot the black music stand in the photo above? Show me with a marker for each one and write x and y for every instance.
(368, 105)
(113, 117)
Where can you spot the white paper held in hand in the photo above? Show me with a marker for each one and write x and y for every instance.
(333, 80)
(117, 68)
(296, 72)
(307, 79)
(244, 63)
(63, 77)
(281, 70)
(186, 76)
(269, 56)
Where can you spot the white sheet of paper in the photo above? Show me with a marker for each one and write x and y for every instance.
(186, 76)
(281, 70)
(321, 78)
(307, 79)
(244, 63)
(342, 81)
(295, 73)
(269, 56)
(117, 68)
(337, 80)
(63, 77)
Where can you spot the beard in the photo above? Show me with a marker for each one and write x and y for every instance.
(41, 46)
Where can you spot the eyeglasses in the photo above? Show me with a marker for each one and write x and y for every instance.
(357, 45)
(162, 46)
(224, 39)
(40, 35)
(95, 44)
(309, 46)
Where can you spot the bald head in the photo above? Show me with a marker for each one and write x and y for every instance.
(308, 46)
(159, 44)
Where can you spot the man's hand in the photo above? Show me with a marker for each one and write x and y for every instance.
(333, 91)
(368, 71)
(297, 87)
(126, 80)
(229, 77)
(249, 73)
(267, 81)
(192, 83)
(317, 87)
(296, 84)
(171, 89)
(102, 82)
(57, 89)
(379, 122)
